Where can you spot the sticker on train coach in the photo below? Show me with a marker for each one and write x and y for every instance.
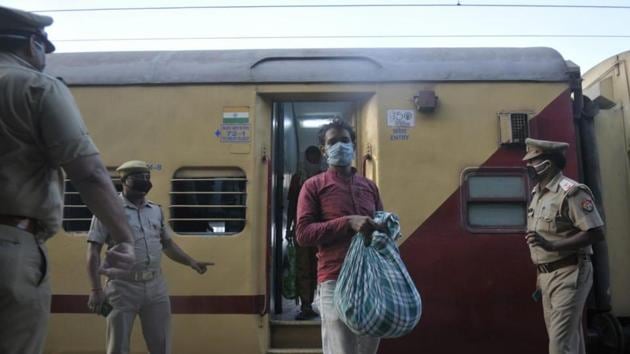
(399, 134)
(235, 115)
(234, 133)
(401, 118)
(154, 166)
(235, 127)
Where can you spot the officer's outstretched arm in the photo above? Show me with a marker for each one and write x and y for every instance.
(91, 179)
(174, 252)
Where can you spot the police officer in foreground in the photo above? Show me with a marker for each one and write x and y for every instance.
(41, 133)
(562, 224)
(143, 291)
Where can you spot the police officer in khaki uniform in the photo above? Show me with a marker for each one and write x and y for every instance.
(143, 291)
(41, 132)
(562, 224)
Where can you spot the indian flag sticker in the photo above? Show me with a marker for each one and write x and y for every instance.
(235, 115)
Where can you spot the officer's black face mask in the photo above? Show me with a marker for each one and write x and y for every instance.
(538, 171)
(531, 172)
(139, 185)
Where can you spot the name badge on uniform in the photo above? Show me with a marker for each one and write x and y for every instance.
(587, 205)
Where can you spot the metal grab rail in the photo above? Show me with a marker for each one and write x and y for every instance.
(323, 57)
(207, 206)
(208, 219)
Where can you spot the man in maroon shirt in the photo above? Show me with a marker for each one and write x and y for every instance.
(332, 207)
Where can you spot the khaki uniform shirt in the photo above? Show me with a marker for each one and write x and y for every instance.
(147, 224)
(40, 130)
(558, 210)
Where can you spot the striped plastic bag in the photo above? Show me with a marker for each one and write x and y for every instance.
(375, 295)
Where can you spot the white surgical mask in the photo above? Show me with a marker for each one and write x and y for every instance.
(340, 154)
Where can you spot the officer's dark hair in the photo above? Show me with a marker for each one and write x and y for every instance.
(337, 123)
(124, 178)
(12, 44)
(557, 159)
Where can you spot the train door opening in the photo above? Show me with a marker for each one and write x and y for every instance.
(296, 157)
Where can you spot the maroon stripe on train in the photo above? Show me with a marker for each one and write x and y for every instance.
(476, 288)
(238, 304)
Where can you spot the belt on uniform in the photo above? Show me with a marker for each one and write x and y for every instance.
(20, 222)
(141, 275)
(573, 259)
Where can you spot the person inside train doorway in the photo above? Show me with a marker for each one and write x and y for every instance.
(41, 134)
(306, 258)
(143, 291)
(562, 224)
(332, 207)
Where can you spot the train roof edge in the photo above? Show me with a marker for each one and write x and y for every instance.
(536, 64)
(592, 74)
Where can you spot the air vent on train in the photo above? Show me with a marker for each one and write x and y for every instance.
(514, 127)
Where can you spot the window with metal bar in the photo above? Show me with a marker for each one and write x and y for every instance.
(520, 127)
(76, 215)
(207, 201)
(495, 200)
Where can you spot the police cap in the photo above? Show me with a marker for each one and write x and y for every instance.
(131, 167)
(20, 24)
(537, 147)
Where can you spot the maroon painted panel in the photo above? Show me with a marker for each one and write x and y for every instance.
(476, 288)
(242, 304)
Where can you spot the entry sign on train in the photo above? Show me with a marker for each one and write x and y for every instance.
(399, 118)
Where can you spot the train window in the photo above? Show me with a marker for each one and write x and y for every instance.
(495, 200)
(76, 215)
(514, 127)
(208, 201)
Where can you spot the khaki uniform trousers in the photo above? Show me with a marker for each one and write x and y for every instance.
(24, 292)
(564, 293)
(149, 300)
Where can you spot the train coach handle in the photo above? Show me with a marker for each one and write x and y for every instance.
(324, 57)
(266, 298)
(367, 157)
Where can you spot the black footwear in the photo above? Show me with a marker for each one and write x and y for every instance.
(306, 315)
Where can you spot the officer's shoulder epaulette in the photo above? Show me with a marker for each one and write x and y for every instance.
(60, 79)
(153, 203)
(571, 187)
(567, 184)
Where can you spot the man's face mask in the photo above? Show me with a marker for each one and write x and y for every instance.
(139, 184)
(340, 154)
(537, 171)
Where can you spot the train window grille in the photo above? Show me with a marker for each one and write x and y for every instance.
(208, 202)
(76, 215)
(520, 128)
(514, 127)
(495, 200)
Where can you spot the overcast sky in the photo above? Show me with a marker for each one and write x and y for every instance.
(585, 35)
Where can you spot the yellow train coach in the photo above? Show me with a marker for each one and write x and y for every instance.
(607, 86)
(441, 132)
